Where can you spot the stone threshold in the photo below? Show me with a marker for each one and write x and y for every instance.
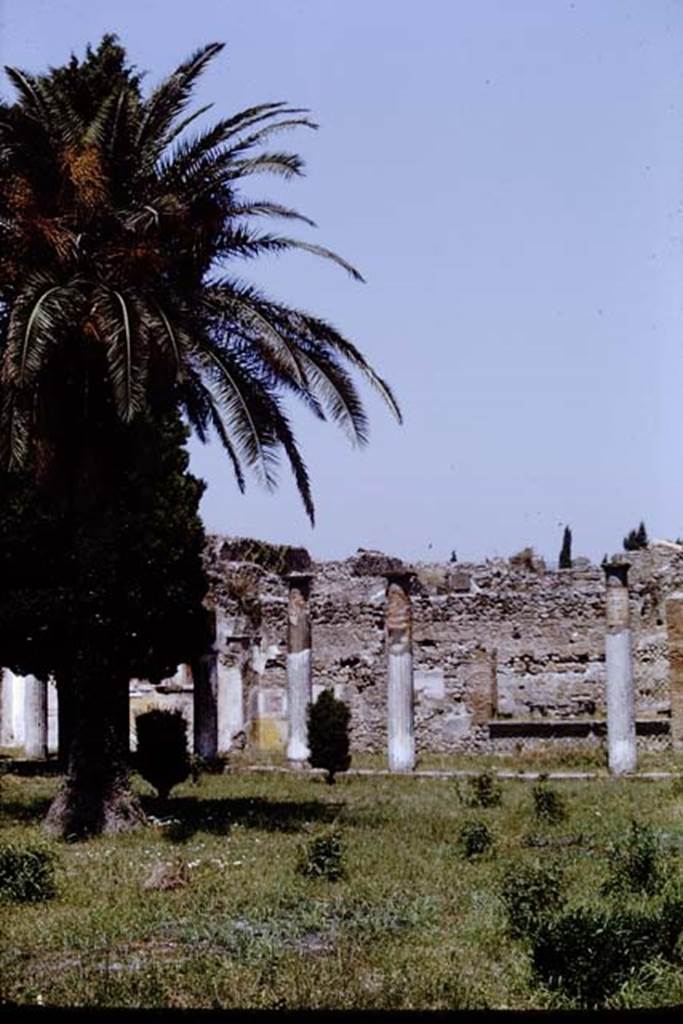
(549, 728)
(456, 773)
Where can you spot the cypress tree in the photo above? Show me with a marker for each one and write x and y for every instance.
(565, 560)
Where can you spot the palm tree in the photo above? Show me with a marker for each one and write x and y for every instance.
(119, 231)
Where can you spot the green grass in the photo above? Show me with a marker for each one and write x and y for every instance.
(409, 925)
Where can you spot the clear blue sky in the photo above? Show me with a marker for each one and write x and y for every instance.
(508, 175)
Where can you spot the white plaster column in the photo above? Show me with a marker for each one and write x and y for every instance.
(232, 661)
(52, 716)
(398, 631)
(18, 711)
(6, 708)
(35, 718)
(299, 667)
(621, 719)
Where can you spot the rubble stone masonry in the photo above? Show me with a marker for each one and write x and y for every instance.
(506, 654)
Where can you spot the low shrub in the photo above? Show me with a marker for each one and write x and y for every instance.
(549, 805)
(162, 756)
(474, 839)
(531, 894)
(27, 873)
(483, 790)
(588, 954)
(635, 863)
(323, 856)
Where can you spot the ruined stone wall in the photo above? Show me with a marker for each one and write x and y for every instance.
(506, 641)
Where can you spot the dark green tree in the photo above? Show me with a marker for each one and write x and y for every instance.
(328, 734)
(636, 540)
(98, 599)
(118, 233)
(162, 757)
(565, 561)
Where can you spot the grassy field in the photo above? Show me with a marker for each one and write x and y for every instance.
(412, 924)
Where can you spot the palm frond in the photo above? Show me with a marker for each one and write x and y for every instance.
(287, 165)
(242, 398)
(189, 152)
(239, 241)
(14, 432)
(40, 317)
(125, 351)
(169, 100)
(264, 208)
(224, 437)
(285, 436)
(335, 389)
(323, 333)
(31, 101)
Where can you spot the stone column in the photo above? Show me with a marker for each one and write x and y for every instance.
(299, 686)
(6, 708)
(232, 661)
(52, 717)
(398, 631)
(621, 720)
(205, 692)
(674, 629)
(18, 708)
(35, 718)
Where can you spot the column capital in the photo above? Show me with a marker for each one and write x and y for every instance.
(616, 573)
(404, 577)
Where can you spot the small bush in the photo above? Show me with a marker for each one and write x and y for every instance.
(162, 756)
(27, 873)
(588, 953)
(474, 839)
(483, 791)
(635, 864)
(549, 806)
(322, 857)
(531, 894)
(328, 734)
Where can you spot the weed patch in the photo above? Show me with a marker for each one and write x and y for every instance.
(483, 790)
(322, 857)
(531, 894)
(27, 873)
(474, 840)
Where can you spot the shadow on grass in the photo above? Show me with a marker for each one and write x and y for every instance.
(27, 812)
(217, 816)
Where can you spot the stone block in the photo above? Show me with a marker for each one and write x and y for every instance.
(456, 725)
(374, 563)
(430, 683)
(459, 582)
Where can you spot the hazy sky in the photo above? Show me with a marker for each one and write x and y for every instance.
(508, 175)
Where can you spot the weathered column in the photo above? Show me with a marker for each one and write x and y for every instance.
(299, 687)
(52, 717)
(35, 718)
(18, 709)
(674, 629)
(232, 661)
(398, 631)
(6, 708)
(621, 720)
(205, 691)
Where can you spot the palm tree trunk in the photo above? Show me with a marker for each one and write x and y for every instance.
(95, 796)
